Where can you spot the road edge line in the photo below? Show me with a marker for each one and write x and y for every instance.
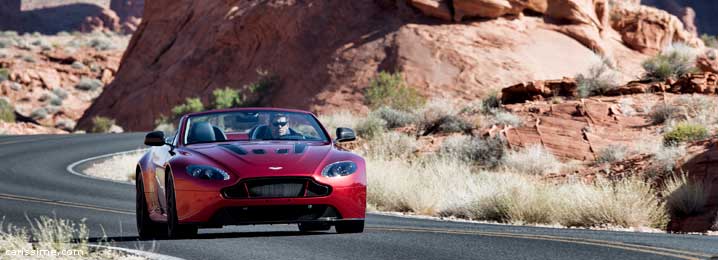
(71, 168)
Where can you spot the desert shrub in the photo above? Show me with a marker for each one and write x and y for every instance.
(390, 145)
(55, 100)
(28, 58)
(533, 160)
(389, 89)
(5, 43)
(39, 113)
(101, 44)
(66, 124)
(485, 152)
(101, 124)
(60, 93)
(7, 111)
(612, 153)
(684, 132)
(395, 118)
(191, 105)
(684, 197)
(599, 79)
(672, 62)
(4, 74)
(626, 105)
(88, 84)
(440, 116)
(664, 161)
(259, 90)
(339, 119)
(78, 65)
(503, 117)
(710, 40)
(226, 98)
(661, 113)
(370, 127)
(491, 102)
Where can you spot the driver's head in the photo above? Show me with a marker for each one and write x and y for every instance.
(279, 125)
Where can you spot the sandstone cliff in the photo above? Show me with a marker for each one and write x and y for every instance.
(325, 52)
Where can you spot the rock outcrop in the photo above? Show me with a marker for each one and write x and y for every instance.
(184, 49)
(649, 30)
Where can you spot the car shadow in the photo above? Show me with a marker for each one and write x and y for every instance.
(211, 236)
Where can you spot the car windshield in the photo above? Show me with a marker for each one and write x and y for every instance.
(252, 125)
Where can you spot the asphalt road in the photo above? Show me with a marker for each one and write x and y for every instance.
(34, 182)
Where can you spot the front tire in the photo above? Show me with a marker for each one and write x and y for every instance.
(146, 227)
(351, 226)
(174, 228)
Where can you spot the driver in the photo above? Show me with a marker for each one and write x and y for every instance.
(279, 127)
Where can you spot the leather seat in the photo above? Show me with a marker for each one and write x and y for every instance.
(201, 132)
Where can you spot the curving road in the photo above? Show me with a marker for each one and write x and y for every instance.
(34, 182)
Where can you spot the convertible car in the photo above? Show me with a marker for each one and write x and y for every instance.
(249, 166)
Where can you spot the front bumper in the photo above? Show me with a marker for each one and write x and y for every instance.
(210, 207)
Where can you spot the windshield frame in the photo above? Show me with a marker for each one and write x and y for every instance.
(186, 122)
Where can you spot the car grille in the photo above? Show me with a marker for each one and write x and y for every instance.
(277, 187)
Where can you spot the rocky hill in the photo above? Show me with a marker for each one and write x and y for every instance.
(324, 52)
(53, 16)
(701, 11)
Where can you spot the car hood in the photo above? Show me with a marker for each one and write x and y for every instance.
(265, 159)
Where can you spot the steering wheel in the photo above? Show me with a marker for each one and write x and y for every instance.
(293, 137)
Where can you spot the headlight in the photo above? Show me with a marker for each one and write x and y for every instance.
(339, 169)
(207, 172)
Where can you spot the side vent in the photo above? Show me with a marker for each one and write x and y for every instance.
(258, 151)
(234, 149)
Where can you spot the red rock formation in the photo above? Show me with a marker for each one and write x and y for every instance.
(649, 30)
(184, 49)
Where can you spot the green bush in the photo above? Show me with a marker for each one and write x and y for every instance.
(227, 98)
(599, 79)
(389, 89)
(101, 124)
(39, 113)
(7, 111)
(88, 84)
(439, 116)
(4, 75)
(394, 118)
(684, 132)
(191, 105)
(673, 62)
(259, 90)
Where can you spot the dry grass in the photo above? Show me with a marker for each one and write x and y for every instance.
(119, 167)
(443, 187)
(68, 239)
(684, 197)
(533, 160)
(340, 119)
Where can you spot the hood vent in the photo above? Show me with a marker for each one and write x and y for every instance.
(282, 151)
(258, 151)
(234, 148)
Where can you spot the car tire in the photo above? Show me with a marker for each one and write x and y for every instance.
(146, 227)
(174, 228)
(309, 227)
(351, 226)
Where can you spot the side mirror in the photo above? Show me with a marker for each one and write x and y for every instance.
(156, 138)
(345, 134)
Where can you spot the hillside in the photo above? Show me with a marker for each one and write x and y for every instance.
(184, 49)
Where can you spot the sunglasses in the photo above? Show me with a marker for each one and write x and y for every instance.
(279, 123)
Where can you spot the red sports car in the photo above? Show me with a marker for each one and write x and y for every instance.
(249, 166)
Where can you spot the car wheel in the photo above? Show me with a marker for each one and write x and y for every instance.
(352, 226)
(308, 227)
(174, 228)
(146, 227)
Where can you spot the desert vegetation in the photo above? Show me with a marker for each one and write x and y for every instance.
(674, 61)
(69, 239)
(222, 98)
(600, 78)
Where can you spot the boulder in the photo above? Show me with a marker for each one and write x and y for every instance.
(485, 8)
(574, 11)
(434, 8)
(649, 30)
